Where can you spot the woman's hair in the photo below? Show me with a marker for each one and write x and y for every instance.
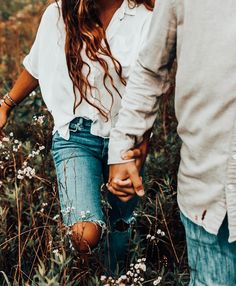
(84, 32)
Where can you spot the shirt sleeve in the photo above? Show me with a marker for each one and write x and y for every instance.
(149, 79)
(32, 60)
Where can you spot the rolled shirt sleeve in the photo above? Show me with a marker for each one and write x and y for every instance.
(32, 61)
(149, 79)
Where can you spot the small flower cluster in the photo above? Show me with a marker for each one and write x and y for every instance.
(9, 145)
(4, 150)
(153, 237)
(157, 281)
(133, 277)
(38, 119)
(26, 170)
(37, 152)
(43, 207)
(16, 146)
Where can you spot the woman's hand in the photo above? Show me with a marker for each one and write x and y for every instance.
(4, 113)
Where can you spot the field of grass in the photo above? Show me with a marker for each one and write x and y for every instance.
(34, 248)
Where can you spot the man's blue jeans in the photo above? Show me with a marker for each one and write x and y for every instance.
(212, 260)
(81, 167)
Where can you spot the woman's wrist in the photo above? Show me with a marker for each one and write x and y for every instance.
(7, 103)
(5, 107)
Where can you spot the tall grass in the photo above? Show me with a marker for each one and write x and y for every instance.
(34, 245)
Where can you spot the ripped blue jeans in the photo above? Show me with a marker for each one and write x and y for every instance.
(81, 167)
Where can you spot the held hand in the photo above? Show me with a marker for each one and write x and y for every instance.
(124, 181)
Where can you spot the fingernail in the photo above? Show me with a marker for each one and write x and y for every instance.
(140, 193)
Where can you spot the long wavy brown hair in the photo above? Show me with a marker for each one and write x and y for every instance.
(84, 30)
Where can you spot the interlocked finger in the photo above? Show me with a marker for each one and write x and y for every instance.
(117, 193)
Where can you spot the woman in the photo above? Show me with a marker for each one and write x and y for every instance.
(81, 59)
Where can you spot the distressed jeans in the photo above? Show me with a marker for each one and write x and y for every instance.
(81, 167)
(211, 258)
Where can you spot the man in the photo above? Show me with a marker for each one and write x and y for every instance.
(201, 35)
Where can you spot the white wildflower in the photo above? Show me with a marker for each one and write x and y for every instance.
(159, 231)
(56, 216)
(123, 277)
(103, 278)
(33, 93)
(56, 251)
(20, 177)
(157, 281)
(5, 139)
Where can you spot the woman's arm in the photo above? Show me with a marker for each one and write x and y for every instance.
(24, 85)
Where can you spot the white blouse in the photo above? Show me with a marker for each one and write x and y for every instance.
(47, 62)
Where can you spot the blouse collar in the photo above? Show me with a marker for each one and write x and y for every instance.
(127, 9)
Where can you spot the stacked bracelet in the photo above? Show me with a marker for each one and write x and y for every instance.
(9, 98)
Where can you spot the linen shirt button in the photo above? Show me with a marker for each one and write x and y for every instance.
(234, 156)
(230, 187)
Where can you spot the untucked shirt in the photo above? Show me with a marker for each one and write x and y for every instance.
(47, 62)
(202, 36)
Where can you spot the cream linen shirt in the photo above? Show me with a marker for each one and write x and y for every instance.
(47, 62)
(202, 36)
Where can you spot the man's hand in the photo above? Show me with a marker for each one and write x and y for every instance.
(124, 181)
(140, 152)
